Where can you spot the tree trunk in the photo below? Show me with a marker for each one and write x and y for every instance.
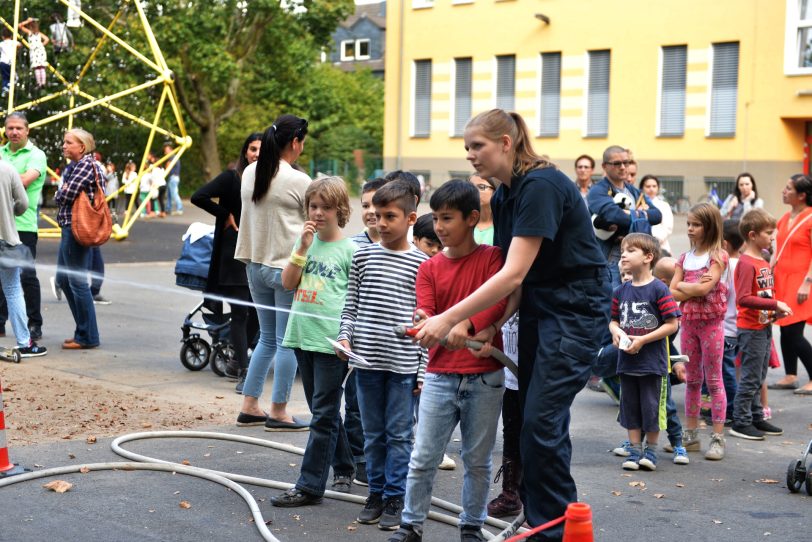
(209, 150)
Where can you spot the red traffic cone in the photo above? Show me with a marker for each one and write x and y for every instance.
(7, 468)
(578, 523)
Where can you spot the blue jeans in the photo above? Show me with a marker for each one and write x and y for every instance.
(473, 400)
(266, 288)
(386, 402)
(673, 426)
(72, 263)
(97, 270)
(327, 444)
(729, 372)
(352, 419)
(173, 198)
(10, 279)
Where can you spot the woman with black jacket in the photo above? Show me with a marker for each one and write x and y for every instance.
(226, 275)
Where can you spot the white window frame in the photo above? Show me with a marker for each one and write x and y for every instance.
(709, 102)
(793, 26)
(587, 63)
(342, 56)
(358, 55)
(496, 79)
(453, 94)
(539, 83)
(660, 75)
(356, 48)
(422, 4)
(413, 100)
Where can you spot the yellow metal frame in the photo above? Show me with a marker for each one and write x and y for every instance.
(164, 78)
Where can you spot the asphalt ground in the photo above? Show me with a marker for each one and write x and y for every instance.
(742, 498)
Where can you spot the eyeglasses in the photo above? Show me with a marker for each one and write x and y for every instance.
(618, 163)
(483, 187)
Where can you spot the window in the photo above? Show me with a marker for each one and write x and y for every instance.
(506, 82)
(674, 61)
(798, 41)
(724, 89)
(720, 187)
(597, 110)
(361, 49)
(672, 188)
(420, 4)
(462, 94)
(550, 107)
(355, 50)
(422, 98)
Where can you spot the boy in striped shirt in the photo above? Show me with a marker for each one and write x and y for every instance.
(381, 295)
(644, 314)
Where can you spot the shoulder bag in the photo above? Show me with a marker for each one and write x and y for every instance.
(91, 222)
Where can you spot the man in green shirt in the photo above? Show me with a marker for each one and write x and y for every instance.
(30, 163)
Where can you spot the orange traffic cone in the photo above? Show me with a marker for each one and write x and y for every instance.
(7, 468)
(578, 523)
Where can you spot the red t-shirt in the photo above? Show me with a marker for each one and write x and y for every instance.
(442, 282)
(754, 293)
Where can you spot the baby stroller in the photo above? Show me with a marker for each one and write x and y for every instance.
(191, 271)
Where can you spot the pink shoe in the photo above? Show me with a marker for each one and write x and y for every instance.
(768, 413)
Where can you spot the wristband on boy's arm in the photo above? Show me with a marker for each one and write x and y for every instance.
(298, 261)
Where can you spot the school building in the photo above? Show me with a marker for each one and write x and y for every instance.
(700, 91)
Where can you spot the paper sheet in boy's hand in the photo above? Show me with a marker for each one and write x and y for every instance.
(350, 354)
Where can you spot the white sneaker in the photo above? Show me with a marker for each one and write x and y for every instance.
(447, 463)
(55, 289)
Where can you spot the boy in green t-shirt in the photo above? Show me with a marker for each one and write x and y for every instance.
(318, 271)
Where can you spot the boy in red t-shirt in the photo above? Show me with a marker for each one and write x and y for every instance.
(757, 310)
(459, 387)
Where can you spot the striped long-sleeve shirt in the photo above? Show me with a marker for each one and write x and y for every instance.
(381, 295)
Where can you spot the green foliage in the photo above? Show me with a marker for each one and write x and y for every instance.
(238, 64)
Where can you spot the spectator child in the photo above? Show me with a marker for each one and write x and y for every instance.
(732, 242)
(700, 285)
(112, 188)
(318, 270)
(145, 193)
(425, 238)
(381, 294)
(459, 386)
(36, 49)
(370, 234)
(664, 271)
(644, 314)
(8, 50)
(757, 310)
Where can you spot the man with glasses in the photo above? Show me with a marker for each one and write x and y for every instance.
(609, 214)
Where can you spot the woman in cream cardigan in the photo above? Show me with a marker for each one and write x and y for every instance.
(273, 213)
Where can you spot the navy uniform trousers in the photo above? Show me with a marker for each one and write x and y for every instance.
(560, 326)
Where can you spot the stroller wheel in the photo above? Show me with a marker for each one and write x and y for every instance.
(796, 473)
(194, 354)
(220, 355)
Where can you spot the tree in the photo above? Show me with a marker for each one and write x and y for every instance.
(214, 49)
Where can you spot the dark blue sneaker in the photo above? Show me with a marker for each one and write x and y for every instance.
(623, 449)
(33, 351)
(633, 461)
(649, 459)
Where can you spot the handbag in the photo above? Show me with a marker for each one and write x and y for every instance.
(91, 222)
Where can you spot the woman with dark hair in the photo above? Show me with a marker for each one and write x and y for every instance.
(483, 232)
(743, 198)
(73, 259)
(559, 275)
(273, 213)
(792, 269)
(226, 275)
(650, 186)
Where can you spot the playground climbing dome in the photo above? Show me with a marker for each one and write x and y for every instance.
(111, 80)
